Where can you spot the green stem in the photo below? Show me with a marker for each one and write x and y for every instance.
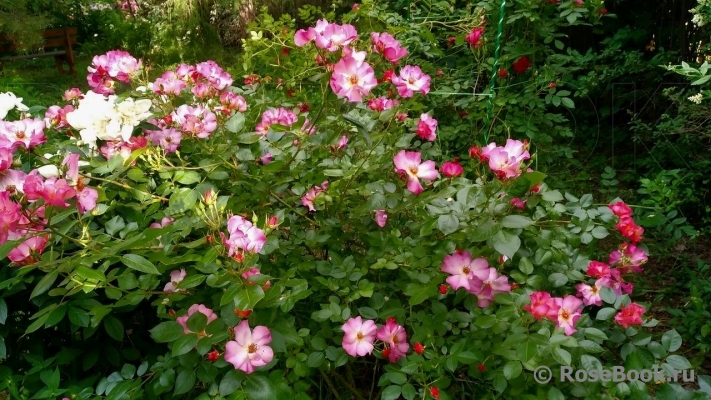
(494, 67)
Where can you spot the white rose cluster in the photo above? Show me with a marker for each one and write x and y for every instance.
(701, 13)
(9, 102)
(100, 118)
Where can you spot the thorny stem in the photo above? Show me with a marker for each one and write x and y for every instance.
(129, 187)
(330, 384)
(290, 207)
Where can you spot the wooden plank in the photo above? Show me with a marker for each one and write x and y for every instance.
(28, 56)
(58, 32)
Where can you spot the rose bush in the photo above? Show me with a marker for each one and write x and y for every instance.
(187, 237)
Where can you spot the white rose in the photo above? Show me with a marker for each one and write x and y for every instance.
(49, 171)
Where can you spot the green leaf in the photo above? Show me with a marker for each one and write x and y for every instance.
(605, 313)
(113, 327)
(8, 246)
(525, 265)
(562, 356)
(248, 296)
(552, 196)
(184, 344)
(512, 369)
(419, 292)
(484, 231)
(45, 283)
(260, 388)
(235, 123)
(555, 394)
(197, 322)
(678, 362)
(230, 383)
(409, 392)
(466, 357)
(139, 263)
(506, 243)
(187, 177)
(315, 359)
(447, 223)
(391, 392)
(79, 317)
(671, 340)
(167, 331)
(184, 382)
(608, 295)
(567, 102)
(3, 311)
(516, 221)
(526, 351)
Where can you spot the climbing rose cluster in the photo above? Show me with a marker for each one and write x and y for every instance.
(359, 337)
(505, 161)
(566, 311)
(474, 276)
(107, 69)
(352, 77)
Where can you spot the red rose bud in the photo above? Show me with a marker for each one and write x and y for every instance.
(213, 356)
(514, 286)
(536, 188)
(290, 93)
(443, 289)
(463, 114)
(386, 352)
(388, 75)
(285, 51)
(475, 152)
(391, 320)
(419, 348)
(355, 7)
(551, 85)
(439, 72)
(503, 73)
(243, 313)
(239, 257)
(171, 312)
(603, 11)
(451, 40)
(401, 116)
(168, 119)
(434, 392)
(273, 222)
(452, 169)
(304, 107)
(209, 239)
(481, 367)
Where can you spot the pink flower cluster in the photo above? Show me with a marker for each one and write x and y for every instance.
(327, 36)
(474, 37)
(507, 161)
(386, 45)
(628, 258)
(427, 128)
(352, 77)
(381, 104)
(250, 349)
(475, 276)
(123, 148)
(563, 311)
(626, 225)
(244, 237)
(183, 321)
(308, 199)
(22, 217)
(26, 133)
(280, 116)
(410, 166)
(56, 117)
(205, 79)
(359, 336)
(107, 69)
